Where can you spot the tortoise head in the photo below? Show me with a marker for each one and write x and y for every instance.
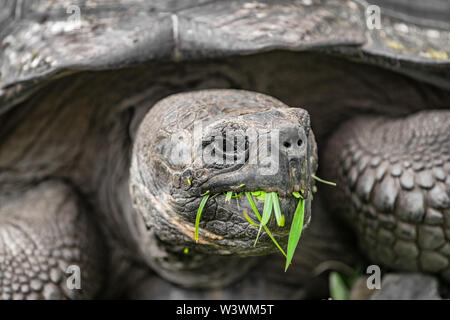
(216, 142)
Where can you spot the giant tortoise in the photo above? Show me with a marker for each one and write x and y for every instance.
(129, 129)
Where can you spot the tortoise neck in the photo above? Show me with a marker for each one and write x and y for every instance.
(192, 269)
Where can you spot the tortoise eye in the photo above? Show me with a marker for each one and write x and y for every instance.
(226, 149)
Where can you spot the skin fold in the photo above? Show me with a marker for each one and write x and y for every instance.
(395, 188)
(167, 186)
(86, 147)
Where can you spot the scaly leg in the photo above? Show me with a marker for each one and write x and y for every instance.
(49, 248)
(393, 180)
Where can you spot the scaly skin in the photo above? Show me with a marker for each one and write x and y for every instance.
(81, 129)
(168, 178)
(393, 180)
(44, 230)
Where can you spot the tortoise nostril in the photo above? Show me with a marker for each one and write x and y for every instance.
(299, 142)
(287, 144)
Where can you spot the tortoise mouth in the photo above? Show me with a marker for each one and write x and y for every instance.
(251, 204)
(240, 190)
(268, 217)
(190, 193)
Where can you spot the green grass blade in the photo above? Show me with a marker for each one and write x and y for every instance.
(252, 204)
(250, 219)
(295, 232)
(276, 209)
(274, 241)
(259, 195)
(297, 195)
(255, 210)
(266, 214)
(282, 221)
(323, 181)
(259, 232)
(199, 214)
(228, 196)
(338, 288)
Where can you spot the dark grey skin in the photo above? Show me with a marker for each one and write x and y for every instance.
(167, 189)
(82, 183)
(395, 190)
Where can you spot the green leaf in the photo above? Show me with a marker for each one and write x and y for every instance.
(228, 196)
(260, 195)
(297, 195)
(274, 241)
(268, 205)
(323, 181)
(252, 204)
(199, 214)
(338, 288)
(295, 232)
(255, 210)
(282, 221)
(249, 219)
(237, 195)
(266, 214)
(277, 210)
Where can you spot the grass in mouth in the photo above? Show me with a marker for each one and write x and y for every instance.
(296, 231)
(255, 210)
(271, 204)
(276, 209)
(246, 216)
(199, 214)
(267, 211)
(323, 181)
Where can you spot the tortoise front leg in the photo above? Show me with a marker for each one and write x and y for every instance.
(49, 248)
(394, 188)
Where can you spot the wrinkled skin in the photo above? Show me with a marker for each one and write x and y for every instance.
(395, 188)
(192, 143)
(85, 141)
